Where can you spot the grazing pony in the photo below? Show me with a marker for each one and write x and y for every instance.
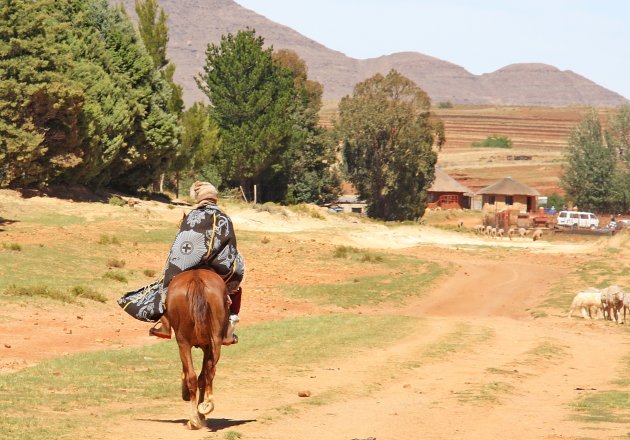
(197, 308)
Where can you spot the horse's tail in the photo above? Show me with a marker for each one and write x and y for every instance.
(198, 308)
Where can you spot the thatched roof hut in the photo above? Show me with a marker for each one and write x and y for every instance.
(509, 187)
(508, 193)
(448, 193)
(444, 183)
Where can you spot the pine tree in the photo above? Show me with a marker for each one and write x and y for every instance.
(80, 100)
(250, 98)
(153, 29)
(39, 107)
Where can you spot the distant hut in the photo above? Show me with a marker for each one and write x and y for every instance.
(348, 203)
(447, 193)
(509, 194)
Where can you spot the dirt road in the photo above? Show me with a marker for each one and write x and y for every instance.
(475, 365)
(516, 380)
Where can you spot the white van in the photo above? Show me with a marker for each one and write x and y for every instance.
(577, 219)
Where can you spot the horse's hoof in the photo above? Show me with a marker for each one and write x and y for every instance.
(193, 425)
(205, 408)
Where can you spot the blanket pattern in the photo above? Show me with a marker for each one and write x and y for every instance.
(205, 239)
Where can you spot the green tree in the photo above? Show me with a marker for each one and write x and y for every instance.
(149, 131)
(199, 144)
(307, 175)
(250, 98)
(590, 169)
(153, 29)
(39, 107)
(619, 139)
(80, 100)
(619, 132)
(388, 136)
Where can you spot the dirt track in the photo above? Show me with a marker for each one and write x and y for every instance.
(504, 385)
(447, 398)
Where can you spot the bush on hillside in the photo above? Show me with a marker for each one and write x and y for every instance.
(494, 141)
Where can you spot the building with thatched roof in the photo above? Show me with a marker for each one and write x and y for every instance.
(447, 193)
(511, 194)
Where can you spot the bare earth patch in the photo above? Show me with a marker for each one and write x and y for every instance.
(507, 383)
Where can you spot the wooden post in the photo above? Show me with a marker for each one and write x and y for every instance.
(255, 198)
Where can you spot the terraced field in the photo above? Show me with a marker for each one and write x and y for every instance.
(539, 136)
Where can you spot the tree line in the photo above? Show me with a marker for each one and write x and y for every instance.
(86, 98)
(597, 172)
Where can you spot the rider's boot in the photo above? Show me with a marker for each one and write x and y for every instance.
(230, 337)
(235, 307)
(163, 330)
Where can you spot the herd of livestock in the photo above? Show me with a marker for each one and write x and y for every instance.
(491, 231)
(609, 302)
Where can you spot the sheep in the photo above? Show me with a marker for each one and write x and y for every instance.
(511, 232)
(585, 301)
(537, 235)
(522, 232)
(626, 305)
(460, 224)
(500, 232)
(480, 229)
(493, 232)
(612, 303)
(488, 230)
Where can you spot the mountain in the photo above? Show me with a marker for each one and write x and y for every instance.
(193, 24)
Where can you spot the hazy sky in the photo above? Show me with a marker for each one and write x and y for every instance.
(589, 37)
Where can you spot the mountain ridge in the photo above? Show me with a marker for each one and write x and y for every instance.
(193, 24)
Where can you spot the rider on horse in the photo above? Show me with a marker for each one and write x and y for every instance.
(206, 239)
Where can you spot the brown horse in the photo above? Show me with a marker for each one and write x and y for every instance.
(197, 308)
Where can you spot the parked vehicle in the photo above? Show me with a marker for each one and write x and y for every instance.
(577, 219)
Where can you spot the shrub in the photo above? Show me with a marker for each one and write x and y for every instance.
(149, 273)
(87, 293)
(55, 294)
(494, 141)
(343, 251)
(116, 276)
(371, 258)
(116, 201)
(116, 263)
(12, 246)
(106, 239)
(445, 104)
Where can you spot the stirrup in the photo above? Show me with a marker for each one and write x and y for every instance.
(234, 341)
(153, 331)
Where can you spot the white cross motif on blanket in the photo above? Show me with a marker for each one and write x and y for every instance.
(188, 249)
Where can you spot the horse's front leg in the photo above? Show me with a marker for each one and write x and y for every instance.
(191, 382)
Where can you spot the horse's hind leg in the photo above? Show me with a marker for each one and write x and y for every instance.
(191, 381)
(206, 399)
(185, 390)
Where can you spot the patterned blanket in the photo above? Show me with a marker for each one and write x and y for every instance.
(205, 239)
